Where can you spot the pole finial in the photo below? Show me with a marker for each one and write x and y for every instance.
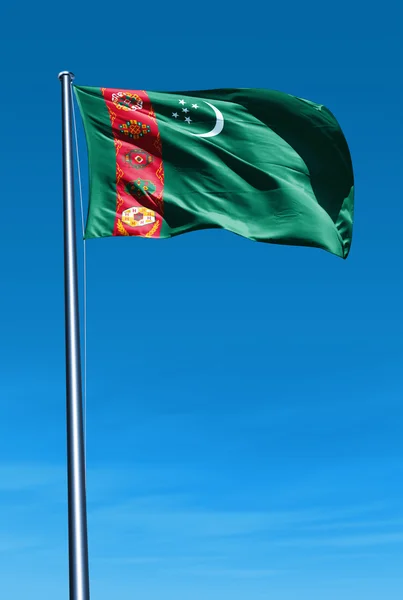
(69, 73)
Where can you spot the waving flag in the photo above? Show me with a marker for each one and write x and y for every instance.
(263, 164)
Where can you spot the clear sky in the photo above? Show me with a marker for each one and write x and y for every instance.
(244, 414)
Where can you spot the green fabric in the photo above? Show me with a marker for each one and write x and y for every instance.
(102, 161)
(280, 170)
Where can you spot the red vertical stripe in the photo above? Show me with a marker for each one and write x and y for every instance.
(139, 165)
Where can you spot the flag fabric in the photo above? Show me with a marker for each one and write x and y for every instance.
(263, 164)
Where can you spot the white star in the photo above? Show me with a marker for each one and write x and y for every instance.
(188, 120)
(175, 115)
(182, 102)
(195, 106)
(185, 110)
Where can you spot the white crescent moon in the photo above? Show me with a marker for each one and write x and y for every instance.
(218, 127)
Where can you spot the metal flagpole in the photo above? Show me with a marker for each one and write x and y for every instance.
(78, 544)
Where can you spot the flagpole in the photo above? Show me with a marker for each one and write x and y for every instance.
(77, 511)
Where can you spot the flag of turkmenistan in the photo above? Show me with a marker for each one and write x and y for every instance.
(263, 164)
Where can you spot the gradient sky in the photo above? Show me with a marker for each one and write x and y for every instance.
(244, 431)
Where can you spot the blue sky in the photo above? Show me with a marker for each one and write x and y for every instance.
(244, 436)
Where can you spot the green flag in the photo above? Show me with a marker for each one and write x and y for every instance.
(265, 165)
